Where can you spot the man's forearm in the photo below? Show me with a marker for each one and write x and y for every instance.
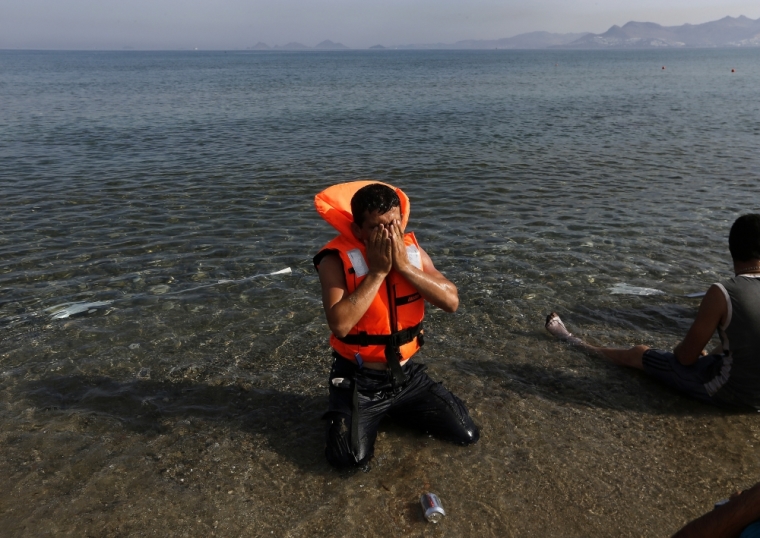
(438, 291)
(346, 313)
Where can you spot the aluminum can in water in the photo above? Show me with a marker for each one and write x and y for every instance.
(431, 507)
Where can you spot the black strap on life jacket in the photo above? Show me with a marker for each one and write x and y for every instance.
(393, 358)
(392, 343)
(396, 339)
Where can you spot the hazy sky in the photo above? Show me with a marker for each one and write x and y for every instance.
(235, 24)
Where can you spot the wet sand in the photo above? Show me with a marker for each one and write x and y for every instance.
(570, 447)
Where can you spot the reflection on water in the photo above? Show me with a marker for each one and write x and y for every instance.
(158, 373)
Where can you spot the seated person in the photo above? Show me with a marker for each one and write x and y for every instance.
(730, 375)
(375, 280)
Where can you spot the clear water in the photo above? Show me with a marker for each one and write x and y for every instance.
(171, 403)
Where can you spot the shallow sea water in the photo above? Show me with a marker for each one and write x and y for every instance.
(185, 398)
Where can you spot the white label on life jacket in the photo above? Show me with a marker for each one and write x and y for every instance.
(413, 253)
(357, 262)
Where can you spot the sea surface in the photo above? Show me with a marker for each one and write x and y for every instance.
(156, 379)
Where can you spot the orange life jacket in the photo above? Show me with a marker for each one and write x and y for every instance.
(393, 322)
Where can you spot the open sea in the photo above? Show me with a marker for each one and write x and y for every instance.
(156, 379)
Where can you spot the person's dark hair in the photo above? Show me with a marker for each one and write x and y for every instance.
(744, 238)
(371, 198)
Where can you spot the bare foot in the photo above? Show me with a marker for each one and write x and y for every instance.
(556, 328)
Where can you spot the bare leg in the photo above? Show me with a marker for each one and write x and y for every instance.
(623, 357)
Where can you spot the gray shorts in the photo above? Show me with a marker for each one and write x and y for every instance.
(664, 366)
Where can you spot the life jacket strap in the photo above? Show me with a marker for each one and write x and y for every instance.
(393, 358)
(392, 343)
(396, 339)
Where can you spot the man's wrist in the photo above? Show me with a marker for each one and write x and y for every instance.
(377, 274)
(405, 269)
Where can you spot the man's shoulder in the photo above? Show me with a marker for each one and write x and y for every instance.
(328, 261)
(740, 285)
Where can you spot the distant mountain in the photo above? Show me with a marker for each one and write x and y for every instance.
(726, 32)
(292, 46)
(531, 40)
(377, 47)
(329, 45)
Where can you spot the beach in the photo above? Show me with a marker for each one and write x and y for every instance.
(155, 194)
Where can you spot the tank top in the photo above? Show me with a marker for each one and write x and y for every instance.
(740, 335)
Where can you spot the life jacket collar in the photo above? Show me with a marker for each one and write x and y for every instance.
(334, 205)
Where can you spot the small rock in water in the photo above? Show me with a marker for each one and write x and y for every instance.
(134, 346)
(144, 373)
(160, 289)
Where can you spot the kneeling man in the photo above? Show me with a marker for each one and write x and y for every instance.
(375, 281)
(730, 375)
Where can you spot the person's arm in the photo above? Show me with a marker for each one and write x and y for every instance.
(727, 521)
(344, 310)
(712, 313)
(429, 282)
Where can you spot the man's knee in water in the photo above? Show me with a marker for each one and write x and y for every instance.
(338, 450)
(472, 434)
(466, 433)
(461, 427)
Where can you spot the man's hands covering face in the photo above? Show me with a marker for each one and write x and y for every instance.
(400, 259)
(386, 249)
(379, 252)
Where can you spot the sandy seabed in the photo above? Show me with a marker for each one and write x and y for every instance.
(568, 448)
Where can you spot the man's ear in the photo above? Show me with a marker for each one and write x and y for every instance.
(356, 231)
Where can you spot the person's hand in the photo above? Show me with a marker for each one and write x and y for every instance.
(400, 259)
(379, 254)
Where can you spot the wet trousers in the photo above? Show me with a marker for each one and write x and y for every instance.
(419, 403)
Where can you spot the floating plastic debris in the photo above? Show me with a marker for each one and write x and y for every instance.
(693, 295)
(63, 311)
(285, 271)
(626, 289)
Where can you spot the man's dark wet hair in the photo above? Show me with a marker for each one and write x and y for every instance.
(744, 239)
(371, 198)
